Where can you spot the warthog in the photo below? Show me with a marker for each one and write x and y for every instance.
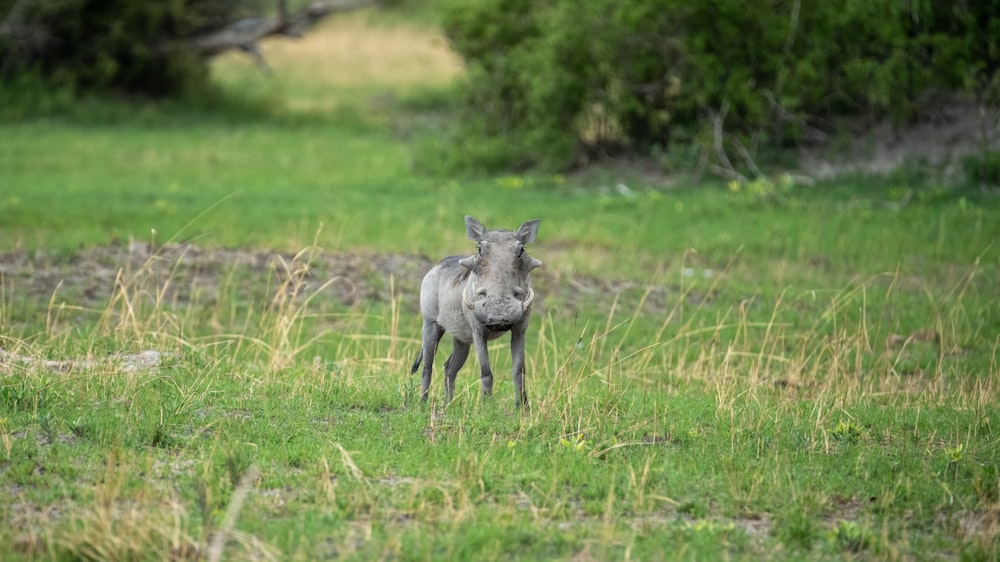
(477, 299)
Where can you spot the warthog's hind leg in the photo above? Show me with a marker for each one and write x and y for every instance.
(432, 334)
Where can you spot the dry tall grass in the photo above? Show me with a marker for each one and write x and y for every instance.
(343, 59)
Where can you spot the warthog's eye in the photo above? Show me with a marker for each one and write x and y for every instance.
(520, 250)
(479, 248)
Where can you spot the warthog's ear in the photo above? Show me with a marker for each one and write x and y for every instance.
(468, 263)
(528, 231)
(474, 229)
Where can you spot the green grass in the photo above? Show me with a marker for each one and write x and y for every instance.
(806, 374)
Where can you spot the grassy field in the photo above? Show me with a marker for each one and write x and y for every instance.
(780, 373)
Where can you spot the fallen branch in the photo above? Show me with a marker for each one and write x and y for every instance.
(124, 362)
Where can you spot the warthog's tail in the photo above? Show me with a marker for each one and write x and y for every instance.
(416, 364)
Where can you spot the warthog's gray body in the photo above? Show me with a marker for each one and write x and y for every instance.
(477, 299)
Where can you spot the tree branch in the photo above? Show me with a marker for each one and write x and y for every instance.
(29, 41)
(745, 155)
(724, 167)
(245, 33)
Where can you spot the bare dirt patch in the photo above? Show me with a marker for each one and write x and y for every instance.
(185, 275)
(179, 272)
(946, 131)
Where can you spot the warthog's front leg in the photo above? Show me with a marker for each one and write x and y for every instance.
(517, 358)
(451, 367)
(483, 356)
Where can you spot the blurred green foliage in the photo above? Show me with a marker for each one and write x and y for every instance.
(116, 45)
(552, 83)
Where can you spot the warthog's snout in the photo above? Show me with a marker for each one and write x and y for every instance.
(479, 298)
(499, 313)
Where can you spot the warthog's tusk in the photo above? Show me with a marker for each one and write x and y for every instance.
(465, 298)
(528, 299)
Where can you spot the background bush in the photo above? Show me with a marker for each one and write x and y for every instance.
(554, 82)
(111, 44)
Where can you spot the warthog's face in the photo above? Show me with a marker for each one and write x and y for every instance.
(498, 290)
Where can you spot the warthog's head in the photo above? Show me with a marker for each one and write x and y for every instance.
(498, 290)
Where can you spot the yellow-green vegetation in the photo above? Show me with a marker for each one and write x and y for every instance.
(767, 372)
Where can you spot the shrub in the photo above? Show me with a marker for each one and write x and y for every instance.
(559, 81)
(983, 168)
(110, 44)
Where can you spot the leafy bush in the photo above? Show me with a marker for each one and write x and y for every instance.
(558, 81)
(983, 168)
(110, 44)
